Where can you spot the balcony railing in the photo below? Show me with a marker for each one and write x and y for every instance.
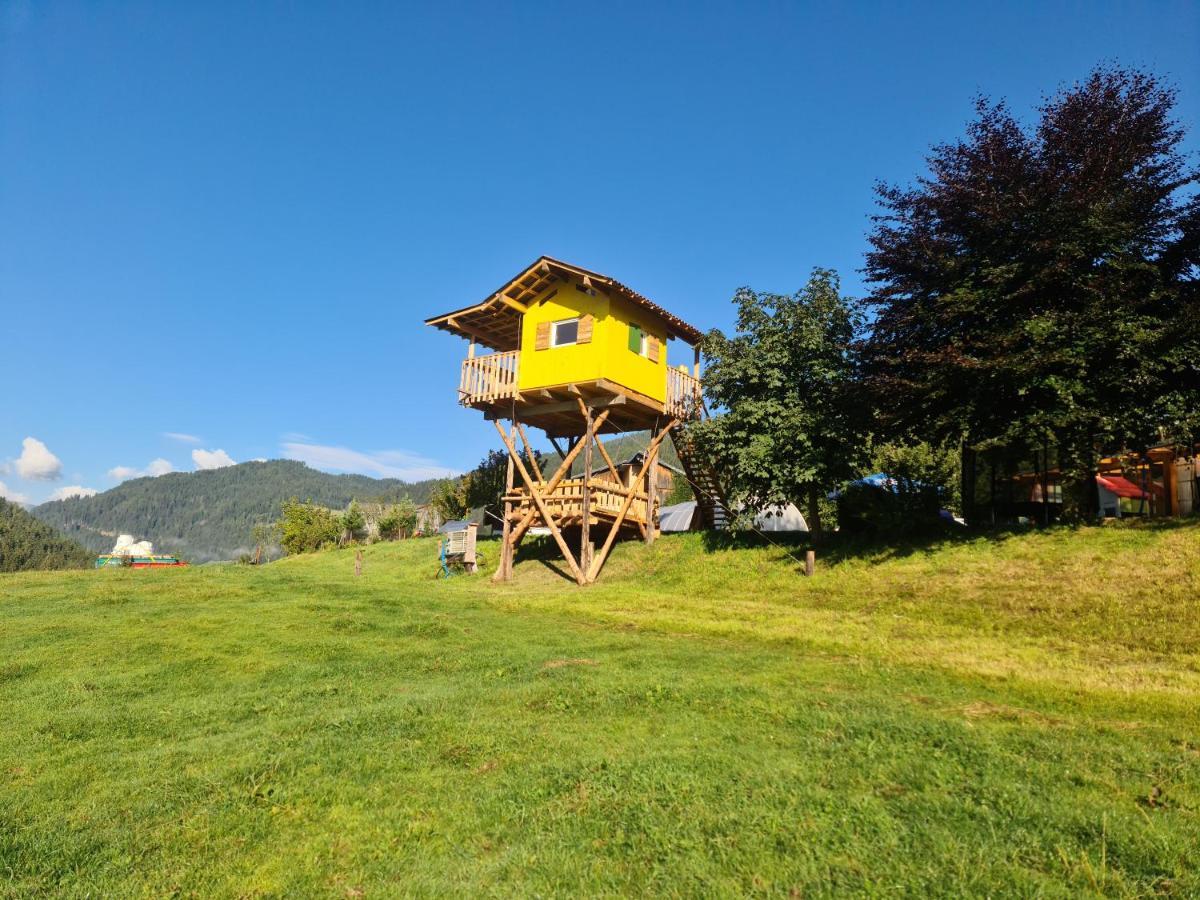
(486, 379)
(684, 397)
(493, 378)
(567, 500)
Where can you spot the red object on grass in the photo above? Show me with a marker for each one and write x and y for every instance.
(1122, 487)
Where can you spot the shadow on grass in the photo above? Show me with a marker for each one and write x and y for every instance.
(835, 547)
(542, 549)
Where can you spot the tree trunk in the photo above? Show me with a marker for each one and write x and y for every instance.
(814, 511)
(967, 484)
(1077, 461)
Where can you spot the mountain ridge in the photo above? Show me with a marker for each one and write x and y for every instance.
(207, 515)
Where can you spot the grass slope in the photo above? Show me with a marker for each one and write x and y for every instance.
(1014, 716)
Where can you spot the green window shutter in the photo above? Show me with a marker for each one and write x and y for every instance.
(635, 338)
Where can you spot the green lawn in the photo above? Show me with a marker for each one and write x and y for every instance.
(1018, 716)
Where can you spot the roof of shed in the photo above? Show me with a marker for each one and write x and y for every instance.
(496, 322)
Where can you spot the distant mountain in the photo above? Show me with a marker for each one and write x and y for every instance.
(204, 516)
(26, 543)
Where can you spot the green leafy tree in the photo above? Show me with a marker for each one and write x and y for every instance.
(791, 426)
(918, 467)
(398, 521)
(353, 523)
(449, 498)
(485, 483)
(1041, 284)
(306, 527)
(265, 538)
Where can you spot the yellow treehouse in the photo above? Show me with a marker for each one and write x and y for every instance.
(578, 354)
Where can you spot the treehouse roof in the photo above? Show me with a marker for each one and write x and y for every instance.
(496, 322)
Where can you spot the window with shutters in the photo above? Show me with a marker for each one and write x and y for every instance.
(637, 339)
(564, 333)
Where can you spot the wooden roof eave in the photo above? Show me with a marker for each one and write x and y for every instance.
(496, 321)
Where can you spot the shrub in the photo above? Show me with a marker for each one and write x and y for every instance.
(305, 527)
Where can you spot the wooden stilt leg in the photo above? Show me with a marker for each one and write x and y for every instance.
(533, 463)
(535, 493)
(585, 533)
(651, 453)
(652, 486)
(507, 548)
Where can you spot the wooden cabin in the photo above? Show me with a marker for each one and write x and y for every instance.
(578, 354)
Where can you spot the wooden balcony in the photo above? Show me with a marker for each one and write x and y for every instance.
(488, 379)
(489, 383)
(685, 398)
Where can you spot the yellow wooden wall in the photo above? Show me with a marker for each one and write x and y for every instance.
(606, 356)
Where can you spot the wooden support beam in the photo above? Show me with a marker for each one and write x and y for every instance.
(651, 454)
(557, 448)
(562, 406)
(585, 533)
(583, 409)
(652, 484)
(541, 507)
(508, 301)
(504, 571)
(564, 469)
(696, 361)
(533, 464)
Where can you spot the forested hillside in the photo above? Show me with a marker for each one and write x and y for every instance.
(207, 515)
(622, 447)
(26, 543)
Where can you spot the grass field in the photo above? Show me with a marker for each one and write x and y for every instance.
(1007, 716)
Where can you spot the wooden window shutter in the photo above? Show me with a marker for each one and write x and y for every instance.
(584, 336)
(635, 338)
(652, 348)
(542, 341)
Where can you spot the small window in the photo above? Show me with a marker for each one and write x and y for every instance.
(637, 340)
(564, 333)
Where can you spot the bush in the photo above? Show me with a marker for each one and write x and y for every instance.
(870, 510)
(305, 527)
(399, 521)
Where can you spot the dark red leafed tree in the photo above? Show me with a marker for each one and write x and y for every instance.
(1040, 284)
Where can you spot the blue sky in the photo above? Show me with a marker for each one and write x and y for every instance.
(222, 224)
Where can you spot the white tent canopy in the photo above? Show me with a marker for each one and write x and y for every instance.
(682, 517)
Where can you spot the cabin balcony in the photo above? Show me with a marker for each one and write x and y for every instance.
(489, 379)
(491, 383)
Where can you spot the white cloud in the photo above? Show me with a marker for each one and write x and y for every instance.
(382, 463)
(37, 463)
(73, 490)
(181, 437)
(212, 459)
(158, 467)
(14, 496)
(153, 469)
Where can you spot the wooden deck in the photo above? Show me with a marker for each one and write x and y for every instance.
(565, 504)
(489, 383)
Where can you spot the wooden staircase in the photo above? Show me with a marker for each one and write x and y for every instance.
(710, 497)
